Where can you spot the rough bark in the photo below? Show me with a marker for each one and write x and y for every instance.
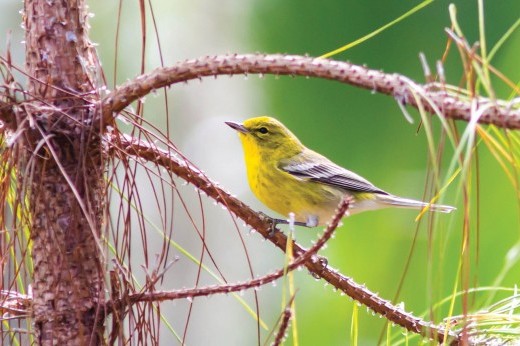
(436, 98)
(64, 162)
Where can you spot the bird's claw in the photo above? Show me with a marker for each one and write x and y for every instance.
(272, 223)
(311, 222)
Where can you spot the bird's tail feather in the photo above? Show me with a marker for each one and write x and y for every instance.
(400, 202)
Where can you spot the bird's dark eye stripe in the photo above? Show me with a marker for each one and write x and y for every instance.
(263, 130)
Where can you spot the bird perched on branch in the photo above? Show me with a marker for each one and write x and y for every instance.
(290, 178)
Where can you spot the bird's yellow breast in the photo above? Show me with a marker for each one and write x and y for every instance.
(284, 193)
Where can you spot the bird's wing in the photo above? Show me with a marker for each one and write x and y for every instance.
(315, 167)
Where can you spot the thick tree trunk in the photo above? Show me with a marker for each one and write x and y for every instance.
(65, 165)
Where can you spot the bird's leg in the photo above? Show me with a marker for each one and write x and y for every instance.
(286, 222)
(274, 222)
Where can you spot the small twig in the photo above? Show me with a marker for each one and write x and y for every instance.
(14, 305)
(280, 336)
(400, 87)
(303, 258)
(187, 171)
(284, 324)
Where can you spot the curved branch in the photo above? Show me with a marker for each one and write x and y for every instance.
(306, 256)
(187, 171)
(433, 98)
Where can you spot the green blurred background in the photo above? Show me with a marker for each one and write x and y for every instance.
(362, 131)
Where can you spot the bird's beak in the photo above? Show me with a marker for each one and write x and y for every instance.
(237, 126)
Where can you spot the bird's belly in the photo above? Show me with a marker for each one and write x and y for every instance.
(307, 200)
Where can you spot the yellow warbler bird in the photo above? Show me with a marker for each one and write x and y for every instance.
(288, 177)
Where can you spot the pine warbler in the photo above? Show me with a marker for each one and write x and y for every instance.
(288, 177)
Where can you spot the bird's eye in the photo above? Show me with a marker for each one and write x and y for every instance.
(263, 130)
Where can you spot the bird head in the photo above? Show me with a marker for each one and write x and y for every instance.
(267, 136)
